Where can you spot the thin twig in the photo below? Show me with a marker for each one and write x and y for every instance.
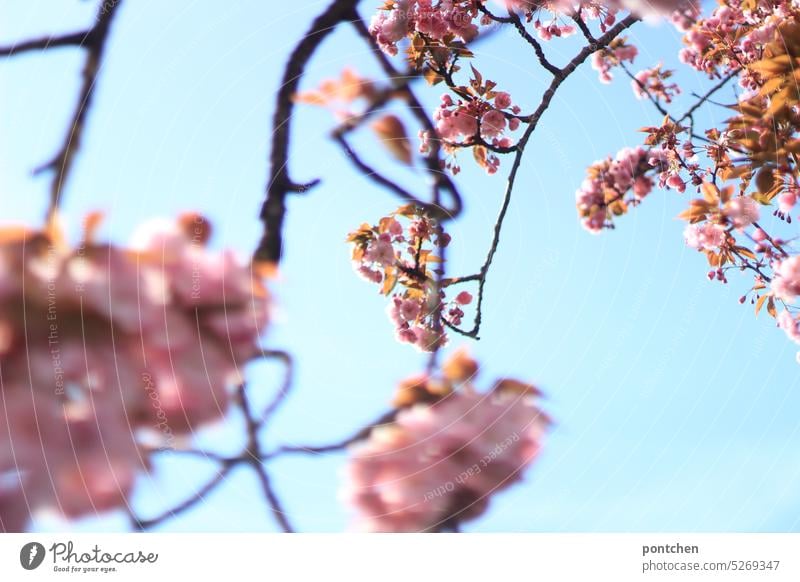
(75, 39)
(722, 82)
(533, 121)
(386, 418)
(771, 240)
(252, 456)
(145, 524)
(537, 47)
(285, 388)
(587, 34)
(95, 44)
(374, 175)
(654, 100)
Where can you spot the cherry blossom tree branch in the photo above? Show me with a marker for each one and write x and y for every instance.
(252, 456)
(537, 47)
(708, 94)
(373, 174)
(513, 18)
(532, 121)
(280, 185)
(654, 100)
(772, 241)
(496, 17)
(361, 434)
(140, 524)
(285, 388)
(94, 42)
(75, 39)
(581, 23)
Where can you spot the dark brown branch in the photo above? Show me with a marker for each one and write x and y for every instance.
(771, 240)
(95, 44)
(496, 17)
(374, 175)
(587, 34)
(709, 93)
(75, 39)
(513, 18)
(280, 185)
(273, 210)
(145, 524)
(285, 388)
(252, 456)
(362, 434)
(537, 47)
(200, 454)
(578, 60)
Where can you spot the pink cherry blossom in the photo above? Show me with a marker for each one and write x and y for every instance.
(789, 324)
(607, 183)
(441, 462)
(398, 253)
(740, 29)
(653, 82)
(397, 20)
(606, 59)
(742, 211)
(502, 100)
(493, 123)
(787, 201)
(103, 343)
(786, 280)
(704, 236)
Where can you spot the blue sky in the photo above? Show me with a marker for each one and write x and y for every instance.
(675, 407)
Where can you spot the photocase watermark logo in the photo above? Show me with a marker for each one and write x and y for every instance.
(66, 557)
(31, 555)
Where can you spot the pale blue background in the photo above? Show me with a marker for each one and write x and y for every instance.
(676, 408)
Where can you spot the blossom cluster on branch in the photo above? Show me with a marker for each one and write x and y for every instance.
(399, 255)
(103, 348)
(447, 451)
(743, 168)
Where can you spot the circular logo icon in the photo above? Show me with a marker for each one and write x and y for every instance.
(31, 555)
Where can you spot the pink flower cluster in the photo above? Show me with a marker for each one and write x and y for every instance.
(742, 27)
(668, 162)
(435, 19)
(461, 122)
(741, 211)
(410, 327)
(602, 193)
(790, 324)
(398, 253)
(704, 236)
(617, 52)
(653, 81)
(607, 9)
(553, 28)
(101, 345)
(675, 10)
(786, 203)
(444, 456)
(786, 279)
